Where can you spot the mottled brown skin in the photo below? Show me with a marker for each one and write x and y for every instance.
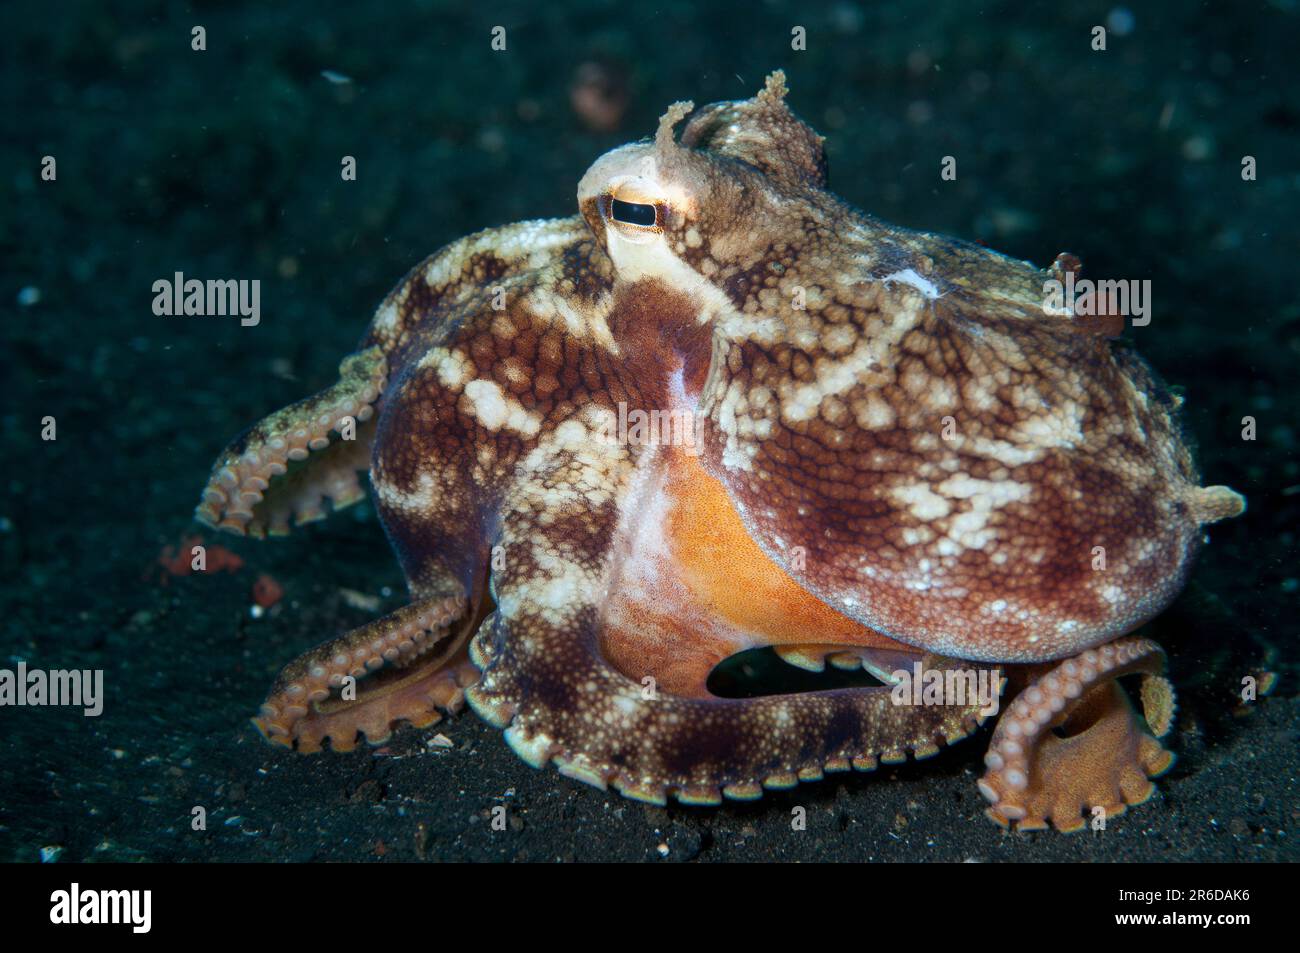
(901, 457)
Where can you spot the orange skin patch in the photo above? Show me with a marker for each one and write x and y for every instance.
(710, 591)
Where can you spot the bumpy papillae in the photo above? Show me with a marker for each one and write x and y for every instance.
(944, 725)
(420, 637)
(845, 658)
(242, 477)
(877, 662)
(1035, 777)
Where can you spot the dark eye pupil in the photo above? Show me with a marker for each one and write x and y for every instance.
(631, 213)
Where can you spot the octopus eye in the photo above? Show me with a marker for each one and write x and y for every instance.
(632, 213)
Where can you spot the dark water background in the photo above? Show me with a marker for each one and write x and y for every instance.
(225, 163)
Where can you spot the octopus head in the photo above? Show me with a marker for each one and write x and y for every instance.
(743, 177)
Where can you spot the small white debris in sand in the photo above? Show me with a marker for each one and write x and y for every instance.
(360, 600)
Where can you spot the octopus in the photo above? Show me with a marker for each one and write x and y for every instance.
(720, 409)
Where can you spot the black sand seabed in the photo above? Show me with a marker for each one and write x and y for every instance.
(226, 164)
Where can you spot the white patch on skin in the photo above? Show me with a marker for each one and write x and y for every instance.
(418, 502)
(569, 434)
(946, 547)
(628, 707)
(1058, 427)
(587, 325)
(801, 401)
(910, 277)
(386, 317)
(487, 403)
(916, 379)
(734, 421)
(574, 436)
(555, 499)
(1144, 549)
(580, 445)
(655, 259)
(969, 529)
(1005, 453)
(532, 240)
(555, 594)
(534, 751)
(603, 422)
(494, 410)
(875, 413)
(921, 501)
(977, 396)
(941, 396)
(997, 492)
(840, 338)
(452, 367)
(646, 513)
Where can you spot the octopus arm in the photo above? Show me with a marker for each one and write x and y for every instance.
(286, 467)
(651, 731)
